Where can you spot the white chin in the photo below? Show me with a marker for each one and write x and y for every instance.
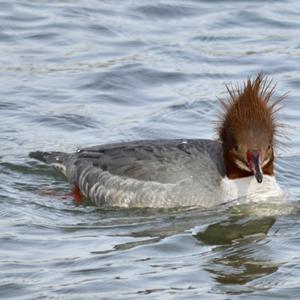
(266, 161)
(242, 166)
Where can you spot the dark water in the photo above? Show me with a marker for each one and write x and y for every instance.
(80, 73)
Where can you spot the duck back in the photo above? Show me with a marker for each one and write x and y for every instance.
(160, 173)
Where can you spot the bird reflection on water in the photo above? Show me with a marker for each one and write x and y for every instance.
(236, 260)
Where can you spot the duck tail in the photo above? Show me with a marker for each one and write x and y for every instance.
(55, 159)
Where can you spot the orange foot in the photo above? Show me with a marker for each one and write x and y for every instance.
(76, 195)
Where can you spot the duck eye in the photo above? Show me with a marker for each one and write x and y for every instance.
(269, 147)
(236, 148)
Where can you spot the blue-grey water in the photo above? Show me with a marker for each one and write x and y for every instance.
(81, 73)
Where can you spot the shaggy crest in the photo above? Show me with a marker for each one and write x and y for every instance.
(250, 106)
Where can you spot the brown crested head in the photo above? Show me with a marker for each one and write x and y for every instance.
(248, 129)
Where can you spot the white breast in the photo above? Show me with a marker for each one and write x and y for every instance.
(248, 188)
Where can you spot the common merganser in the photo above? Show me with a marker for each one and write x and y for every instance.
(185, 172)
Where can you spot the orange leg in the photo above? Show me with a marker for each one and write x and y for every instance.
(77, 196)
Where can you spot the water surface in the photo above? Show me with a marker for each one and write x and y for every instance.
(80, 73)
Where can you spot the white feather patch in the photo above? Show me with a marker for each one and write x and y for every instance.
(249, 188)
(60, 167)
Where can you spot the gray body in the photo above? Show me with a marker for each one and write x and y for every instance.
(162, 173)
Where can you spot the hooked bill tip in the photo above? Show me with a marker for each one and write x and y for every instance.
(259, 177)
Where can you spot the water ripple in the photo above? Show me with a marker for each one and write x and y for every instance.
(78, 73)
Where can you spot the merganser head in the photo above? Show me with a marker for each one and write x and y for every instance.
(248, 128)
